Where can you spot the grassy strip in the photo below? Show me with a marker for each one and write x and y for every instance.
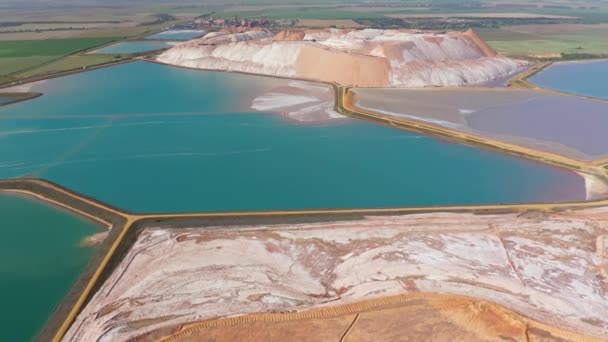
(10, 81)
(41, 52)
(71, 65)
(10, 65)
(67, 63)
(55, 47)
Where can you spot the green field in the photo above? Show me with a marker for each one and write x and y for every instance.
(300, 13)
(9, 65)
(67, 63)
(55, 47)
(586, 41)
(587, 16)
(21, 55)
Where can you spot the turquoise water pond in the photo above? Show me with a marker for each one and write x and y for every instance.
(152, 138)
(42, 244)
(177, 34)
(6, 99)
(583, 78)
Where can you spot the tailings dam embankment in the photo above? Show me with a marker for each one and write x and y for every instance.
(286, 263)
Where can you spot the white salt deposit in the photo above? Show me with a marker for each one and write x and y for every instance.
(363, 58)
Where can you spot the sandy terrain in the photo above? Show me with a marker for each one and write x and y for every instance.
(403, 318)
(95, 239)
(480, 15)
(372, 58)
(557, 123)
(595, 187)
(551, 267)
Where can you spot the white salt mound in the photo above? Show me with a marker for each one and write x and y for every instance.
(370, 58)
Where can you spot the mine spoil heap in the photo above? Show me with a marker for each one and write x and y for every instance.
(549, 266)
(365, 58)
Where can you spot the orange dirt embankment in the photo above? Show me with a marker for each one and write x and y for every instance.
(289, 35)
(480, 43)
(415, 317)
(315, 62)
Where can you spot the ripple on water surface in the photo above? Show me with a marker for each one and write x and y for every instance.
(41, 259)
(153, 138)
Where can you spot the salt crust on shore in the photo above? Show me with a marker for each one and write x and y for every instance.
(300, 101)
(550, 267)
(22, 88)
(595, 187)
(370, 57)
